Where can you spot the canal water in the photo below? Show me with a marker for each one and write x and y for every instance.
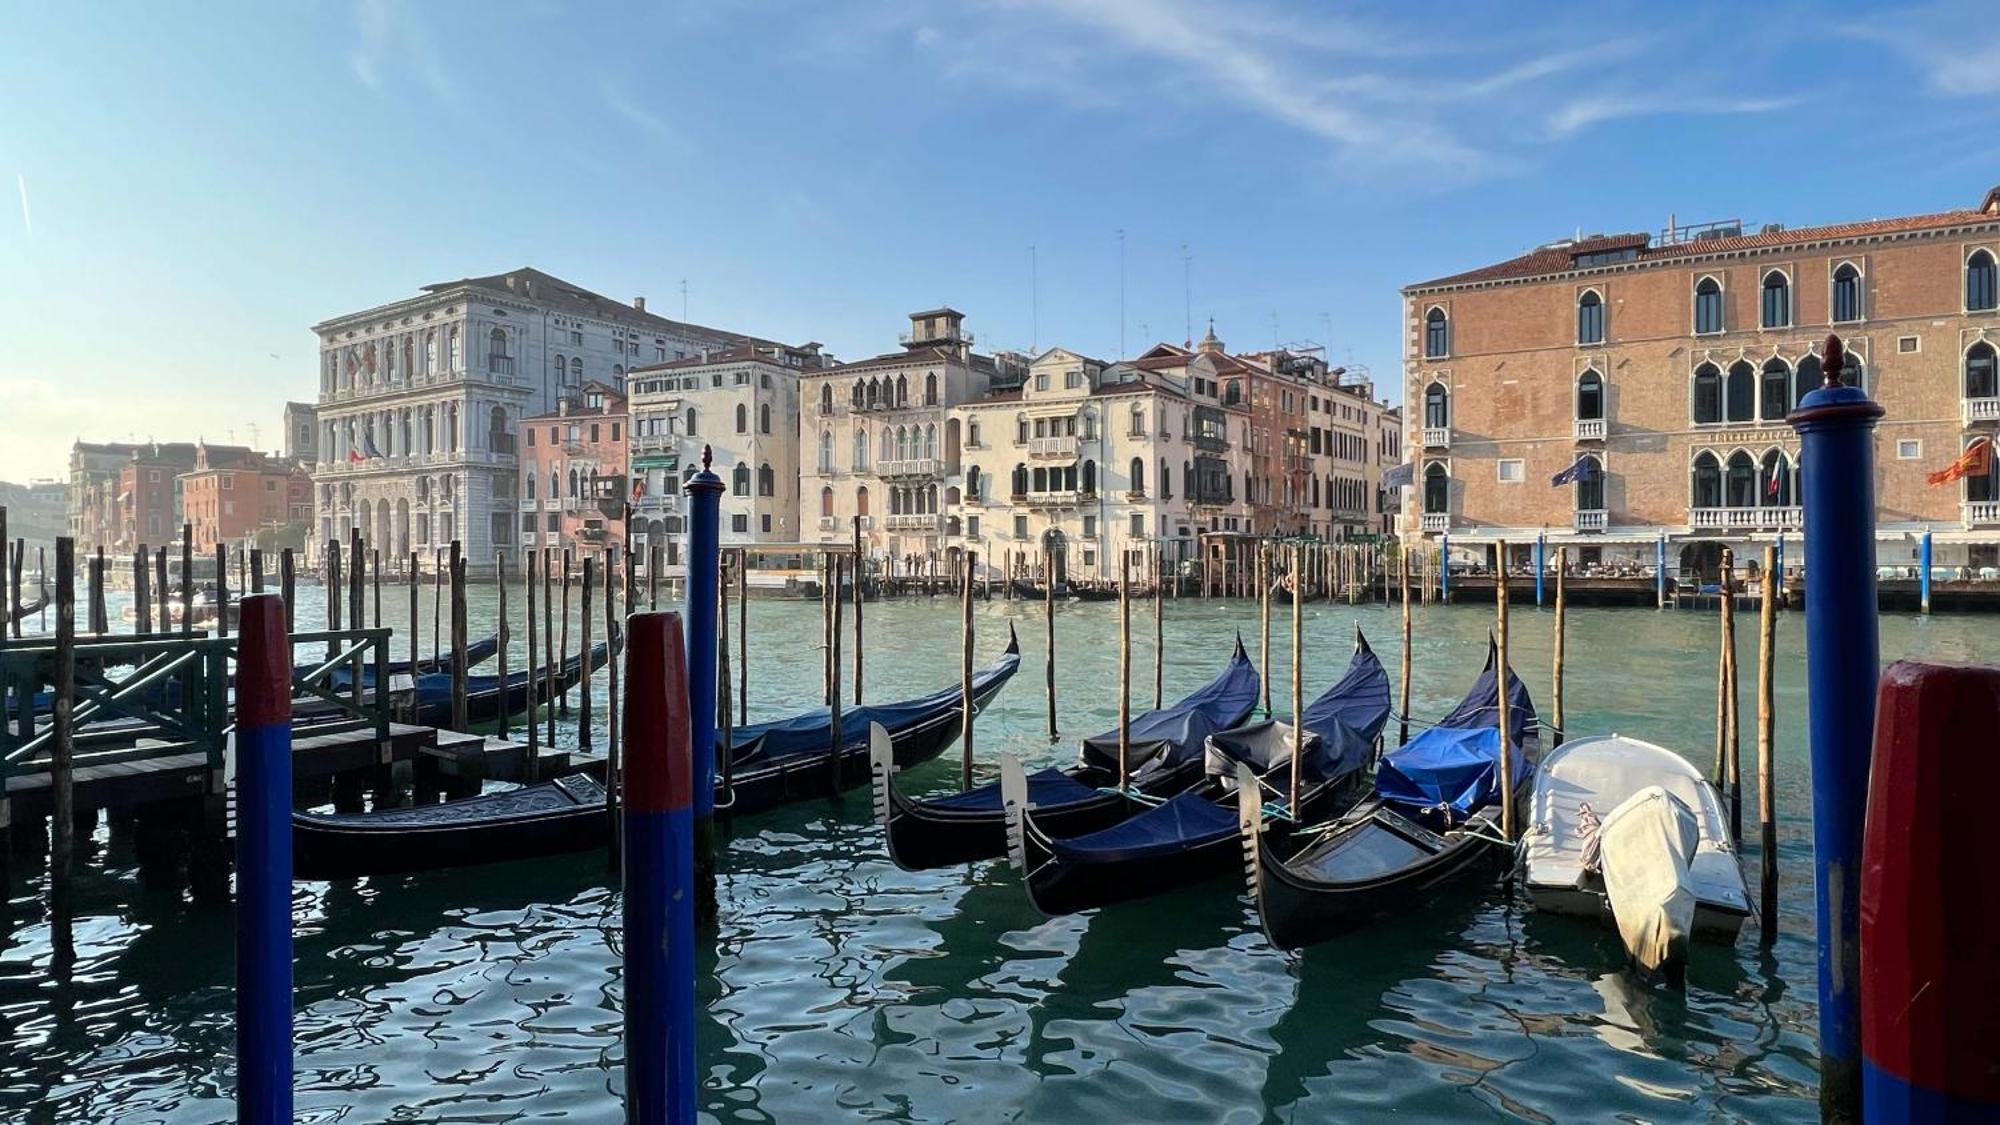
(839, 987)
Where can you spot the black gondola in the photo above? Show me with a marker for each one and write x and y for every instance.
(476, 653)
(1165, 758)
(484, 697)
(1434, 817)
(773, 762)
(1193, 835)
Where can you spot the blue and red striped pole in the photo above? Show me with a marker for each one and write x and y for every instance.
(263, 864)
(1836, 426)
(659, 876)
(704, 569)
(1930, 1041)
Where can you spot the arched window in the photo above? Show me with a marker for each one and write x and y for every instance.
(1775, 480)
(1020, 429)
(1166, 481)
(1777, 390)
(575, 485)
(1437, 406)
(530, 482)
(1983, 487)
(826, 503)
(930, 500)
(618, 373)
(562, 367)
(1590, 318)
(1437, 334)
(857, 395)
(874, 392)
(739, 479)
(555, 486)
(826, 451)
(1739, 399)
(930, 389)
(689, 429)
(1980, 378)
(972, 483)
(826, 398)
(1739, 482)
(902, 390)
(1590, 397)
(1708, 305)
(888, 447)
(1980, 288)
(1437, 489)
(1590, 484)
(764, 418)
(1138, 474)
(1707, 484)
(1020, 480)
(576, 370)
(1090, 476)
(930, 441)
(1853, 372)
(861, 501)
(902, 444)
(1806, 378)
(767, 481)
(1777, 307)
(1846, 293)
(860, 450)
(742, 418)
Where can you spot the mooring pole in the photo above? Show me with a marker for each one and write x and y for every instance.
(660, 784)
(1403, 559)
(704, 568)
(288, 589)
(1562, 622)
(1159, 626)
(62, 813)
(965, 676)
(459, 716)
(1924, 572)
(1506, 720)
(1836, 426)
(1660, 570)
(257, 579)
(1263, 580)
(1292, 798)
(263, 864)
(1767, 719)
(1124, 670)
(1444, 568)
(505, 636)
(1049, 614)
(534, 765)
(1541, 569)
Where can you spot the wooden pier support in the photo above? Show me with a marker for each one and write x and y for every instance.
(1767, 720)
(965, 674)
(1049, 616)
(1403, 735)
(1500, 681)
(533, 767)
(586, 584)
(1562, 621)
(460, 718)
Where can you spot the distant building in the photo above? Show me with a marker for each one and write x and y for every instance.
(126, 495)
(37, 512)
(228, 498)
(743, 405)
(301, 433)
(421, 399)
(1660, 369)
(573, 472)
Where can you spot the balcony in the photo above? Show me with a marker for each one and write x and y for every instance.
(1590, 429)
(1436, 522)
(1982, 513)
(1745, 519)
(1064, 446)
(1982, 410)
(1135, 495)
(500, 365)
(590, 535)
(913, 522)
(1590, 519)
(1437, 437)
(1212, 443)
(914, 467)
(829, 523)
(1063, 499)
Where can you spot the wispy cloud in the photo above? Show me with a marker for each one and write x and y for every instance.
(1576, 116)
(1955, 46)
(390, 34)
(27, 218)
(640, 117)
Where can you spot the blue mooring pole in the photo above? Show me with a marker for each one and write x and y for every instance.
(1444, 569)
(1660, 570)
(1836, 426)
(1924, 581)
(704, 567)
(1541, 551)
(660, 787)
(1781, 570)
(264, 864)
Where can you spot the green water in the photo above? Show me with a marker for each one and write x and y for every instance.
(840, 987)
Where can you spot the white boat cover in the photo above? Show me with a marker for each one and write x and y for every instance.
(1582, 781)
(1646, 845)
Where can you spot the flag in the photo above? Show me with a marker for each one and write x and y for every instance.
(1777, 479)
(368, 440)
(638, 487)
(1977, 460)
(354, 456)
(1584, 469)
(1400, 476)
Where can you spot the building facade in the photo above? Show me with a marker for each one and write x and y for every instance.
(229, 498)
(125, 495)
(1653, 374)
(37, 512)
(421, 399)
(573, 473)
(301, 433)
(741, 404)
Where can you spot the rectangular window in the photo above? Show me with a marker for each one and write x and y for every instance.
(1090, 527)
(229, 484)
(1909, 449)
(531, 445)
(1906, 344)
(555, 525)
(614, 431)
(765, 521)
(1512, 470)
(739, 523)
(593, 433)
(1138, 526)
(1020, 527)
(971, 530)
(1042, 381)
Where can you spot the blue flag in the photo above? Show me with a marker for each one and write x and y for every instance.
(1584, 469)
(1399, 476)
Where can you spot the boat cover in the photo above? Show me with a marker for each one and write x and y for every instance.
(807, 733)
(435, 687)
(1481, 705)
(1046, 788)
(1646, 844)
(476, 653)
(1266, 747)
(1360, 700)
(1174, 735)
(1447, 772)
(1190, 818)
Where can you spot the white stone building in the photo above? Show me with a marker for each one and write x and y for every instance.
(741, 403)
(420, 400)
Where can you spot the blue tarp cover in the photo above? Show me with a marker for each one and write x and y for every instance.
(1189, 819)
(1447, 772)
(1174, 735)
(1046, 788)
(1481, 705)
(807, 733)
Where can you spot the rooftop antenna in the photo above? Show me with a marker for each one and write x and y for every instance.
(253, 434)
(1187, 292)
(1121, 292)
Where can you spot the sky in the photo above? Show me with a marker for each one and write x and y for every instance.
(199, 185)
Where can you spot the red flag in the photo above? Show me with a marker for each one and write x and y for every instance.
(638, 487)
(354, 456)
(1977, 460)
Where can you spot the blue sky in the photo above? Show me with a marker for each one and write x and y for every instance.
(195, 192)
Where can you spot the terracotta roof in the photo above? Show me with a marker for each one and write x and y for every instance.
(1548, 260)
(720, 355)
(929, 354)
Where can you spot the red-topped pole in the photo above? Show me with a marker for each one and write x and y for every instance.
(263, 864)
(659, 875)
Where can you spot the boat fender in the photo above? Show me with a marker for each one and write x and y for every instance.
(1014, 804)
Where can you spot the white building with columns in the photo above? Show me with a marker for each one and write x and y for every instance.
(420, 401)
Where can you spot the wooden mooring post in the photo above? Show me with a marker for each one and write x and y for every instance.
(100, 622)
(1767, 721)
(965, 676)
(838, 739)
(62, 823)
(1159, 628)
(288, 590)
(1049, 616)
(549, 661)
(1298, 686)
(533, 768)
(1263, 580)
(613, 642)
(460, 719)
(257, 577)
(1124, 670)
(142, 601)
(1403, 735)
(221, 590)
(503, 636)
(586, 584)
(1500, 681)
(1562, 620)
(562, 649)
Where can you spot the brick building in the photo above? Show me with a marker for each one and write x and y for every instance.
(230, 496)
(573, 468)
(1662, 368)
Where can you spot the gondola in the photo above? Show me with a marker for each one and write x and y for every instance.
(430, 696)
(1165, 755)
(1193, 835)
(773, 762)
(1433, 818)
(476, 653)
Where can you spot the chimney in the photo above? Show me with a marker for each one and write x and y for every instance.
(639, 303)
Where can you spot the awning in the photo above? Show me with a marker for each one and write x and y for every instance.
(670, 462)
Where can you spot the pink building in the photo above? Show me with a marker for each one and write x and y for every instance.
(574, 486)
